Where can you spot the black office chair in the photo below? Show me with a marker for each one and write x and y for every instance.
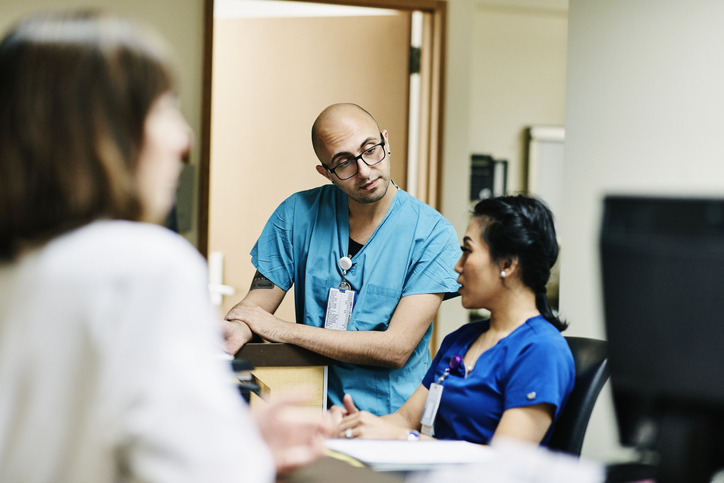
(591, 359)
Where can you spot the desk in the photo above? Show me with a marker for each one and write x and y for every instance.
(329, 469)
(512, 464)
(280, 368)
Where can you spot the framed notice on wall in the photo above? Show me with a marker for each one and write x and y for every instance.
(545, 181)
(545, 166)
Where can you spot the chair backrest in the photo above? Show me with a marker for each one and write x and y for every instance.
(591, 359)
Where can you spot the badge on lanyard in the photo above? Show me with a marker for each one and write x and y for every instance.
(432, 405)
(340, 301)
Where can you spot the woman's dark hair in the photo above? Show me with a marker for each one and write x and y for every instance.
(522, 227)
(75, 91)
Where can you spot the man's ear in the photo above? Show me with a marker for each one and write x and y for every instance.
(387, 140)
(323, 171)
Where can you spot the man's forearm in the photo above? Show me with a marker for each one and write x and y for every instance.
(363, 347)
(388, 348)
(262, 293)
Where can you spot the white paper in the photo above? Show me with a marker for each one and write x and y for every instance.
(393, 455)
(518, 462)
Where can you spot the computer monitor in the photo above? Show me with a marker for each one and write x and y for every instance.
(662, 262)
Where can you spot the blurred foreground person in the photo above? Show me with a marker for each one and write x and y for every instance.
(107, 342)
(510, 375)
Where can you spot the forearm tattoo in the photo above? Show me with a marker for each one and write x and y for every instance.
(260, 281)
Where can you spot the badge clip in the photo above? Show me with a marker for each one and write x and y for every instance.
(345, 264)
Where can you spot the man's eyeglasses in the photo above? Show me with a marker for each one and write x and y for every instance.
(349, 167)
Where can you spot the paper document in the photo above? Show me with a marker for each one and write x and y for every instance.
(411, 455)
(518, 462)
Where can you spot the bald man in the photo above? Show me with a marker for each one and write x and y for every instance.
(370, 265)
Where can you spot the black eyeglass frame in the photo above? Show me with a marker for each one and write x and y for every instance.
(356, 159)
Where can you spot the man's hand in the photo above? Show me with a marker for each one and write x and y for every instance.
(262, 295)
(236, 334)
(295, 435)
(259, 321)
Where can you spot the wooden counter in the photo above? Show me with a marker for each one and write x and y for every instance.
(283, 368)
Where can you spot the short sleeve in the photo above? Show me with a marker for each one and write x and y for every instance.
(433, 270)
(541, 373)
(273, 253)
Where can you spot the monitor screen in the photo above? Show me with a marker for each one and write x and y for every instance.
(662, 263)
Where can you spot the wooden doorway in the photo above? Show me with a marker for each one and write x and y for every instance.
(259, 151)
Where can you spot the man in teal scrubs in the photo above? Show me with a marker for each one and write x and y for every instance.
(402, 255)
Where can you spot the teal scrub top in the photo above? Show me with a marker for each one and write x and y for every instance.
(412, 251)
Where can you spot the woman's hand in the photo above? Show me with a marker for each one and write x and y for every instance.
(338, 413)
(364, 425)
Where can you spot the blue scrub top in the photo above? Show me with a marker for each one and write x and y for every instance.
(412, 251)
(532, 365)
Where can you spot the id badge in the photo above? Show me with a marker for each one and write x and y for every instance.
(340, 303)
(431, 406)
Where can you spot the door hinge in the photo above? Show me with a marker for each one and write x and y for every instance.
(415, 54)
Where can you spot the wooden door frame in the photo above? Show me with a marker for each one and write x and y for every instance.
(438, 10)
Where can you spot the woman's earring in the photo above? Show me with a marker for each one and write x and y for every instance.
(502, 274)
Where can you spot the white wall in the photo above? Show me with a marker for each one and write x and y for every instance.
(518, 60)
(644, 114)
(179, 21)
(502, 38)
(456, 142)
(505, 71)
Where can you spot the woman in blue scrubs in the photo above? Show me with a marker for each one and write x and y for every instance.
(509, 375)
